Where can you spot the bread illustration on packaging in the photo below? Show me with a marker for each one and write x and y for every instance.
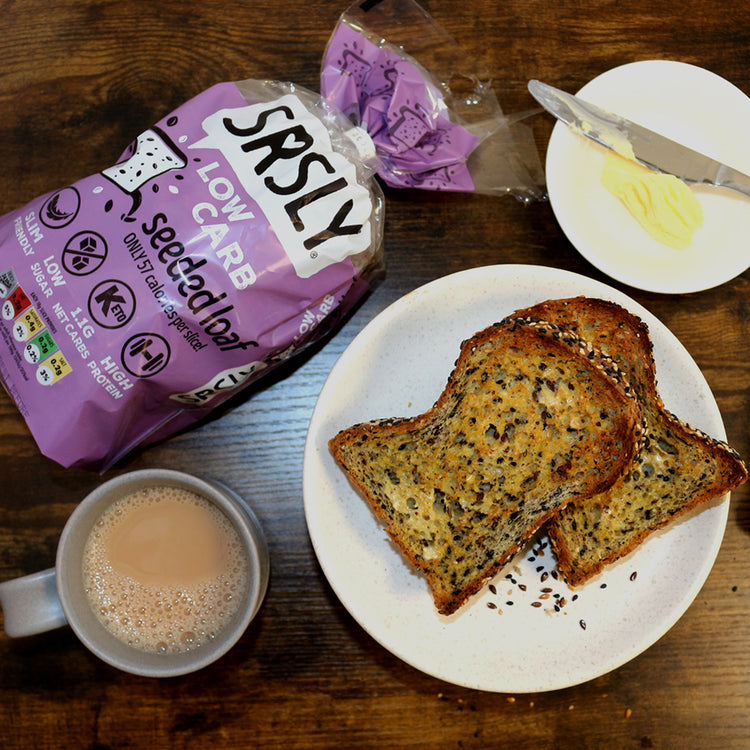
(411, 126)
(150, 155)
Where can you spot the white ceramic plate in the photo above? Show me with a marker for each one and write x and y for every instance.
(397, 366)
(689, 105)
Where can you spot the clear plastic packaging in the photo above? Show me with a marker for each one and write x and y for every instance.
(436, 125)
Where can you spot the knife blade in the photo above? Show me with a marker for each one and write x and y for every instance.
(633, 141)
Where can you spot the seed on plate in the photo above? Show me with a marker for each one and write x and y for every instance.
(634, 575)
(536, 604)
(582, 623)
(491, 605)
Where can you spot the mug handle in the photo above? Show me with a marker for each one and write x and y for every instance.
(31, 604)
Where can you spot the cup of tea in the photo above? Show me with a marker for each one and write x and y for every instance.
(158, 573)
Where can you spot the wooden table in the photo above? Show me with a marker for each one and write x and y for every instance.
(78, 81)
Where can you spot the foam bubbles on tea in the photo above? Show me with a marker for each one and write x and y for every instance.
(164, 570)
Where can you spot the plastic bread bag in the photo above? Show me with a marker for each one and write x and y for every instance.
(227, 237)
(397, 74)
(236, 230)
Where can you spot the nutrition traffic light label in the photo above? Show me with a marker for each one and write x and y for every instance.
(41, 355)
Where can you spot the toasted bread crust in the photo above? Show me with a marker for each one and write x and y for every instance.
(692, 468)
(531, 417)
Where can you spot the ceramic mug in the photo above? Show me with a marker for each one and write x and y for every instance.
(56, 597)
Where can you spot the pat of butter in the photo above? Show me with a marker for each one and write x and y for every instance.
(663, 204)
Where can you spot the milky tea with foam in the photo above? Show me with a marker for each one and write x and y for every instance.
(164, 570)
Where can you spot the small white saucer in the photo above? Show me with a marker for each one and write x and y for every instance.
(692, 106)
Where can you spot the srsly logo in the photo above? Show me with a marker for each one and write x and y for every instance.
(282, 155)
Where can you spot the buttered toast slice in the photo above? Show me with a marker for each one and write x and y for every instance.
(678, 468)
(530, 418)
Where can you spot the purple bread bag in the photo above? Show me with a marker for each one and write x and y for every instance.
(234, 232)
(139, 298)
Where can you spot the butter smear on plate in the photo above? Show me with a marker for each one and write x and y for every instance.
(662, 203)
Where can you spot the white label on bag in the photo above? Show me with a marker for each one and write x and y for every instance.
(309, 193)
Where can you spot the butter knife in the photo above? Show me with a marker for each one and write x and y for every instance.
(635, 142)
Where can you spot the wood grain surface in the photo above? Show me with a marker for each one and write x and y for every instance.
(79, 79)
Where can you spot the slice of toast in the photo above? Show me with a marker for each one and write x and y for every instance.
(530, 418)
(677, 469)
